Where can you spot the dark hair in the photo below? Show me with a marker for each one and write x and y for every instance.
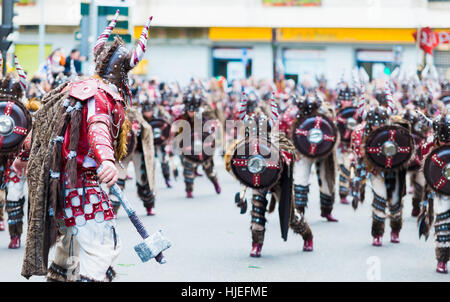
(74, 50)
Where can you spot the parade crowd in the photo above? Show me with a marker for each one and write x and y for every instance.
(66, 134)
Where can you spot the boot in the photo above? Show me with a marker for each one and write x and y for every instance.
(308, 245)
(189, 194)
(377, 241)
(168, 184)
(395, 237)
(256, 249)
(150, 212)
(344, 200)
(2, 225)
(217, 187)
(15, 242)
(329, 217)
(442, 267)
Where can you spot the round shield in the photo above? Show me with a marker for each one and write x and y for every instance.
(315, 136)
(200, 148)
(415, 164)
(436, 169)
(347, 119)
(161, 131)
(15, 123)
(256, 163)
(390, 147)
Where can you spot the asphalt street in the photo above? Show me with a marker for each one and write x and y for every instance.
(211, 241)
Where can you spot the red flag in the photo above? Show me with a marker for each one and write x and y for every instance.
(428, 39)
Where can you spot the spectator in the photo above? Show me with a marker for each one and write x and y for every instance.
(77, 59)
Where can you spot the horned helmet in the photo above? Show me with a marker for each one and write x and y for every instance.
(11, 88)
(376, 116)
(113, 60)
(193, 98)
(346, 97)
(308, 104)
(258, 124)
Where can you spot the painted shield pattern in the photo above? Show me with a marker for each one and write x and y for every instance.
(256, 163)
(15, 123)
(315, 136)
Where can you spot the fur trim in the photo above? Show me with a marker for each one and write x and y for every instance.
(122, 144)
(442, 254)
(13, 90)
(258, 236)
(377, 228)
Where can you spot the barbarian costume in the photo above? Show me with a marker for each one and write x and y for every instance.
(140, 150)
(419, 131)
(197, 112)
(434, 176)
(79, 126)
(346, 118)
(315, 137)
(14, 114)
(263, 159)
(383, 146)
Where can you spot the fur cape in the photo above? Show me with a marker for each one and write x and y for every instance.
(147, 144)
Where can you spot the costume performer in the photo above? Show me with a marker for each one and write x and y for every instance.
(308, 107)
(11, 93)
(197, 111)
(141, 152)
(272, 173)
(435, 208)
(79, 134)
(386, 164)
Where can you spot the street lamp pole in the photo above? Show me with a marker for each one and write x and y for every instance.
(41, 31)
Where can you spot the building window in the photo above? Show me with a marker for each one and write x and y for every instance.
(232, 63)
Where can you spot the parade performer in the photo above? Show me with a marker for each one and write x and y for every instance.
(80, 128)
(140, 150)
(14, 114)
(435, 208)
(419, 131)
(347, 119)
(383, 147)
(263, 160)
(158, 117)
(315, 137)
(197, 111)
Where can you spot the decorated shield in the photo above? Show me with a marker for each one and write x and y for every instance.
(256, 163)
(161, 131)
(200, 147)
(415, 164)
(315, 136)
(347, 119)
(436, 169)
(390, 147)
(15, 123)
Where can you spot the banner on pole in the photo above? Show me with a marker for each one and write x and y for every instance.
(430, 39)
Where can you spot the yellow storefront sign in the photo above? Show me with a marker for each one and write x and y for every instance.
(240, 34)
(347, 35)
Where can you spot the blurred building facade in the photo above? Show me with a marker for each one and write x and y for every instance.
(237, 38)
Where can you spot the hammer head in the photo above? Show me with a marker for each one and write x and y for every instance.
(152, 246)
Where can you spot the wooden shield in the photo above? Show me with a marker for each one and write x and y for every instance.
(390, 147)
(196, 149)
(15, 123)
(161, 131)
(436, 169)
(347, 119)
(256, 163)
(315, 136)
